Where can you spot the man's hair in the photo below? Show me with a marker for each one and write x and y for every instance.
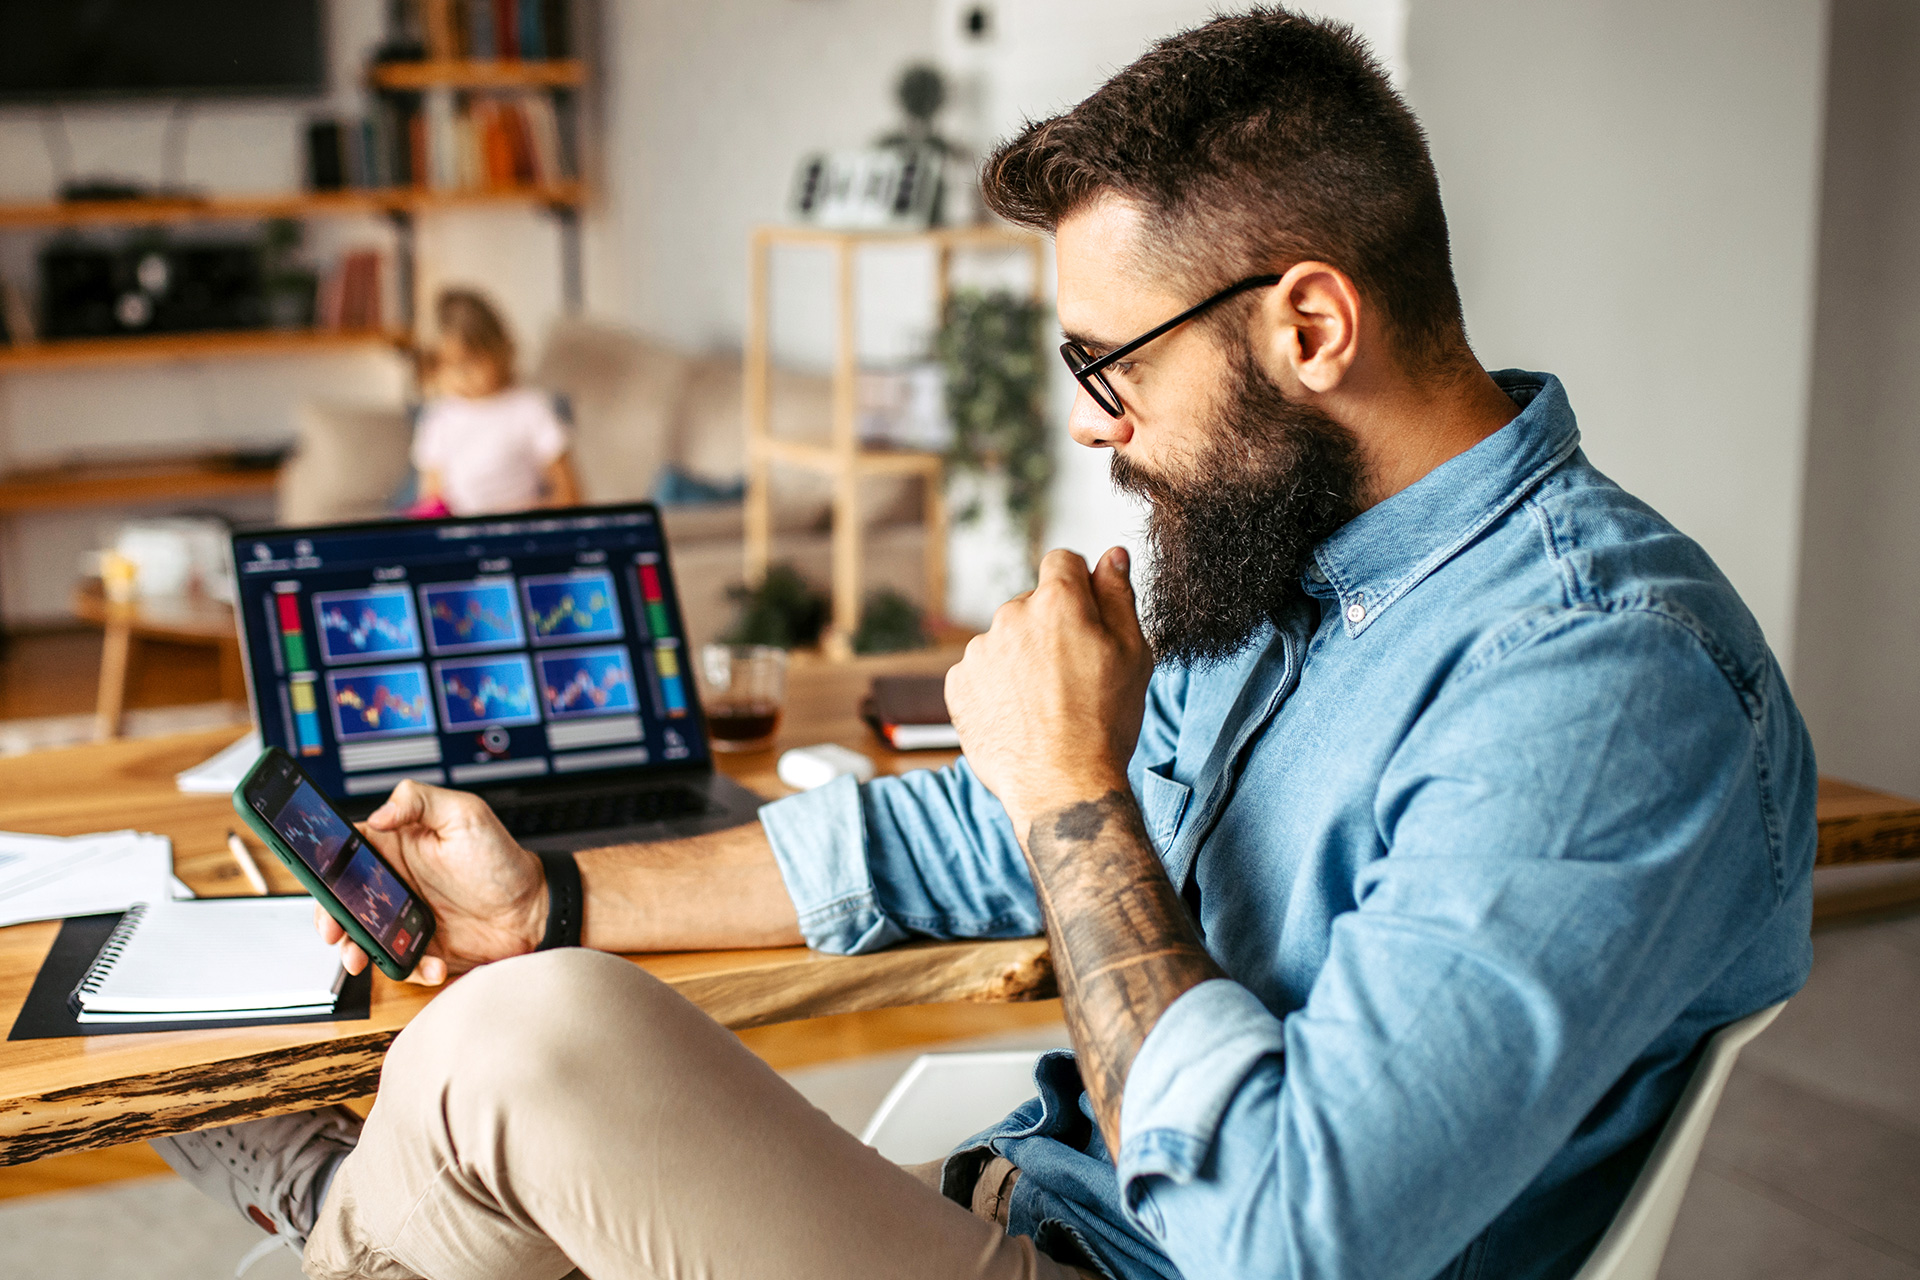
(1254, 142)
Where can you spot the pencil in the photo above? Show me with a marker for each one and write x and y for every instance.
(248, 867)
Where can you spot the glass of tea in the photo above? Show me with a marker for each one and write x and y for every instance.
(744, 687)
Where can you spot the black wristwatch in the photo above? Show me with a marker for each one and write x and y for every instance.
(564, 901)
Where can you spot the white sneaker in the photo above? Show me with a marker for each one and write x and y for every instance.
(267, 1169)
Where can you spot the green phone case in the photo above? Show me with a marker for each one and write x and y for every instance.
(311, 882)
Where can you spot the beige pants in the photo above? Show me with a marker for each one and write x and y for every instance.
(567, 1110)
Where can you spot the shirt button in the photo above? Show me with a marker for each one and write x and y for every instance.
(1314, 571)
(1356, 613)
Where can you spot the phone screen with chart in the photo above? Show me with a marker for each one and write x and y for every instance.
(360, 880)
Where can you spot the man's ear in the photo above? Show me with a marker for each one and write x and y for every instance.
(1309, 328)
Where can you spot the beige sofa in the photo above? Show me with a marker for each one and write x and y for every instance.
(637, 406)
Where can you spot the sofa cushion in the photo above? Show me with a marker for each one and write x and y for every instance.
(710, 442)
(348, 460)
(622, 388)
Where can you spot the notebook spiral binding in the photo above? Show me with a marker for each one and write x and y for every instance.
(103, 963)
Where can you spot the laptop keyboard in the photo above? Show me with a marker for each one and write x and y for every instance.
(599, 810)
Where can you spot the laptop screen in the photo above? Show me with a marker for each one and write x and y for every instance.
(468, 652)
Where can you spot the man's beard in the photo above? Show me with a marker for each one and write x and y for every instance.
(1228, 537)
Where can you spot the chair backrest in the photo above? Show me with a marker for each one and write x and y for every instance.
(946, 1098)
(1633, 1245)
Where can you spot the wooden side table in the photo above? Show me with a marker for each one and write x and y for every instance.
(182, 620)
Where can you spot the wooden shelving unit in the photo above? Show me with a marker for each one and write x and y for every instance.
(842, 457)
(503, 73)
(157, 348)
(26, 216)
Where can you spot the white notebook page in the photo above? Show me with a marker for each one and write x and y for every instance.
(214, 954)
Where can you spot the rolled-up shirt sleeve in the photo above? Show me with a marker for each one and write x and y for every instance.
(928, 854)
(1568, 862)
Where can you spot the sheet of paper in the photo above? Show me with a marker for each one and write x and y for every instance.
(221, 773)
(49, 877)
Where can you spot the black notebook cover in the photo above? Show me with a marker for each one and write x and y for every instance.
(45, 1014)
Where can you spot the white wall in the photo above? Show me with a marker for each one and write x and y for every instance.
(1632, 192)
(710, 108)
(1041, 57)
(1857, 673)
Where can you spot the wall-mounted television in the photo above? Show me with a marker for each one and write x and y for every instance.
(70, 50)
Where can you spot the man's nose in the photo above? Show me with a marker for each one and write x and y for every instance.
(1091, 425)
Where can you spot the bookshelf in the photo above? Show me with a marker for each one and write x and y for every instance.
(842, 456)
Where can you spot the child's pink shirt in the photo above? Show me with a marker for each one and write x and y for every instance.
(490, 453)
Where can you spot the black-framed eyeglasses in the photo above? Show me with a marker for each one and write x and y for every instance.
(1088, 372)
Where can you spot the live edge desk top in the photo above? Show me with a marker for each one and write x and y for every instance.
(74, 1094)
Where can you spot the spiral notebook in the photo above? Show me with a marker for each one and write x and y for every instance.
(210, 959)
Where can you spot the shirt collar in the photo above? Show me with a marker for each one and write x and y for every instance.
(1385, 551)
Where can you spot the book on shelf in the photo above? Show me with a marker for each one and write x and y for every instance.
(350, 295)
(371, 153)
(498, 140)
(490, 29)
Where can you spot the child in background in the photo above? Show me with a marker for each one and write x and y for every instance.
(484, 445)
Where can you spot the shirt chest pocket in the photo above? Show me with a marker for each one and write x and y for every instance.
(1163, 804)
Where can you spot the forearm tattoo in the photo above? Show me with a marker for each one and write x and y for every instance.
(1124, 947)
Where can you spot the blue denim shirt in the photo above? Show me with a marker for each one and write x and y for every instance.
(1488, 835)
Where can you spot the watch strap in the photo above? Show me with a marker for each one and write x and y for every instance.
(565, 901)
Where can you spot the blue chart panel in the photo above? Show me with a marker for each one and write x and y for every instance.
(380, 702)
(464, 617)
(316, 833)
(475, 692)
(588, 682)
(360, 626)
(565, 608)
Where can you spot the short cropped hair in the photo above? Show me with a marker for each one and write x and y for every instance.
(1254, 142)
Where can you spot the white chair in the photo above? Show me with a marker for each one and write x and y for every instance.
(946, 1097)
(1633, 1245)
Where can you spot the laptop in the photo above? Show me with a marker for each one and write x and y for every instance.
(538, 661)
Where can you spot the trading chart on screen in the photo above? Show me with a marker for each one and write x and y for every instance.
(464, 652)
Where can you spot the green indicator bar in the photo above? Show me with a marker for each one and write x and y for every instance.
(657, 618)
(296, 651)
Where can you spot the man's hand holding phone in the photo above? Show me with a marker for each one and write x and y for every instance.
(488, 894)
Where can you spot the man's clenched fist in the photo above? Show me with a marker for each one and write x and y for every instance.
(1048, 702)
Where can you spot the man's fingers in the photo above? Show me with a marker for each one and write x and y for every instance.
(409, 804)
(330, 930)
(1113, 593)
(430, 972)
(352, 958)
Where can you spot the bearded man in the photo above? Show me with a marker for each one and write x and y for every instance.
(1397, 858)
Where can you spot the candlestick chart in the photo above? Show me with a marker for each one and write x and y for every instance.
(486, 692)
(572, 607)
(464, 616)
(381, 703)
(588, 682)
(359, 625)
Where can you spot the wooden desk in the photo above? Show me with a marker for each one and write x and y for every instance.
(77, 1094)
(85, 1092)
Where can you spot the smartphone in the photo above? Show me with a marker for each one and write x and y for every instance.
(357, 886)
